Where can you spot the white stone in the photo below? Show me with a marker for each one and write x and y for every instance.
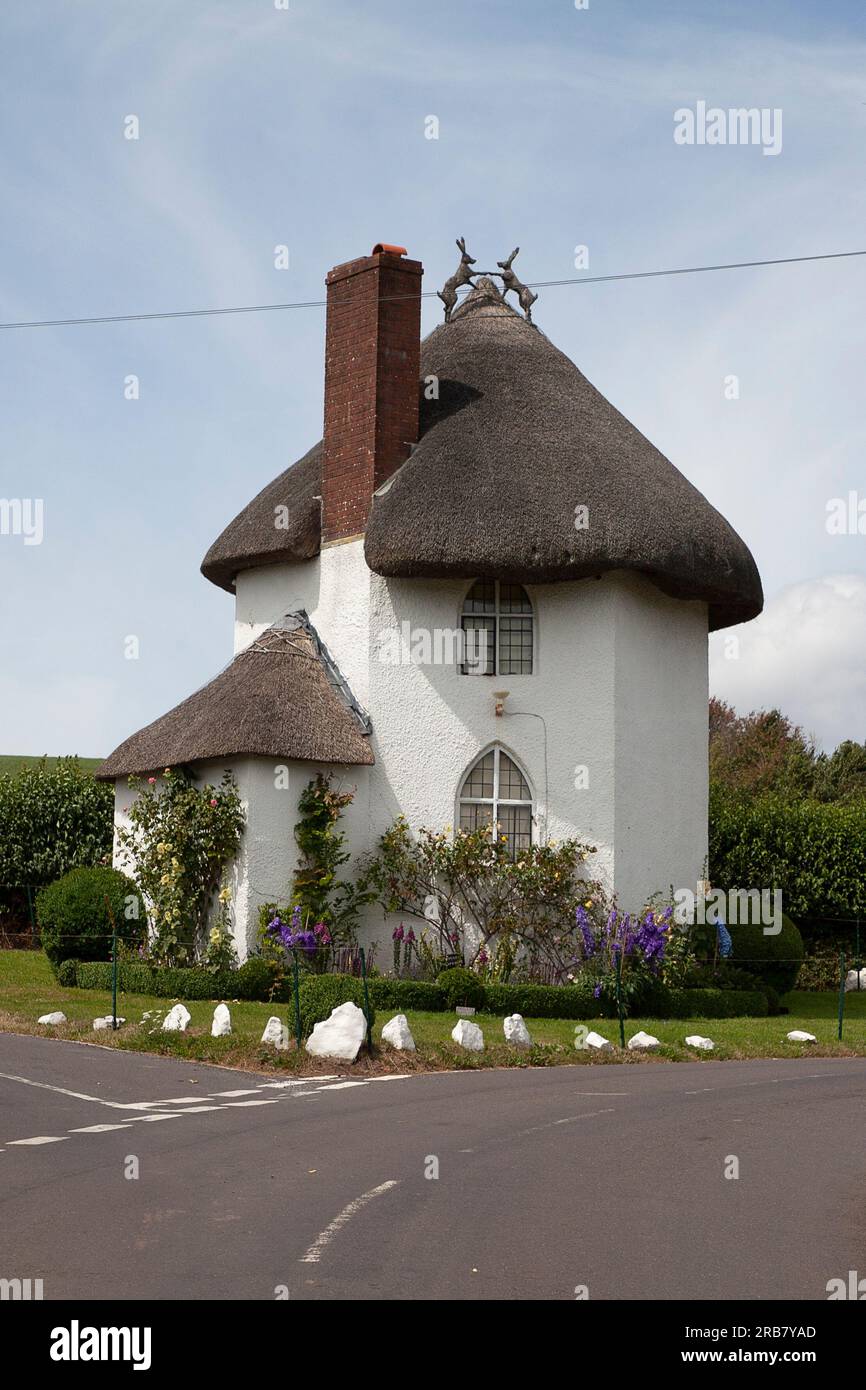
(516, 1031)
(222, 1022)
(596, 1041)
(642, 1042)
(468, 1035)
(853, 980)
(797, 1035)
(398, 1033)
(53, 1019)
(276, 1033)
(695, 1040)
(341, 1035)
(107, 1021)
(176, 1019)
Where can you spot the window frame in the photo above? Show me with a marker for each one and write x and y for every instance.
(495, 801)
(495, 615)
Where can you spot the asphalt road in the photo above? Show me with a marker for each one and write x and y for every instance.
(607, 1176)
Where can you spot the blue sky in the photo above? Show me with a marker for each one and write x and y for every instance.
(306, 127)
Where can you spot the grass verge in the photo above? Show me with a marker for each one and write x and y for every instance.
(28, 989)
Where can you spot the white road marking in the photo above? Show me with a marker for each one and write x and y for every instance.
(151, 1119)
(39, 1139)
(398, 1076)
(200, 1109)
(298, 1081)
(314, 1254)
(60, 1090)
(569, 1119)
(220, 1094)
(341, 1086)
(97, 1129)
(239, 1104)
(179, 1100)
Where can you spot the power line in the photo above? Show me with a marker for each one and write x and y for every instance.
(427, 294)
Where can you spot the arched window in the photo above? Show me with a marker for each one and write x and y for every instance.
(501, 615)
(496, 793)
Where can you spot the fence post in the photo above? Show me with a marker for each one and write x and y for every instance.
(841, 991)
(113, 963)
(297, 997)
(33, 931)
(366, 1001)
(619, 998)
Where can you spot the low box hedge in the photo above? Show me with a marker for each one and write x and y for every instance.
(255, 980)
(251, 981)
(406, 994)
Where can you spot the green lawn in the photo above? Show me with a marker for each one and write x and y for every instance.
(11, 762)
(28, 989)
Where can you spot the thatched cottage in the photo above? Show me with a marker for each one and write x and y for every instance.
(483, 596)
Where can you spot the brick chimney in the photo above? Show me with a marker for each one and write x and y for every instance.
(372, 368)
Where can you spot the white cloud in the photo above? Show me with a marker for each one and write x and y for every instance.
(805, 655)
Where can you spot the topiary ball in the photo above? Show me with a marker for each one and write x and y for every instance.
(774, 960)
(462, 988)
(74, 921)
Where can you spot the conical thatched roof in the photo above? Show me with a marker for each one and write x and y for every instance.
(277, 699)
(516, 441)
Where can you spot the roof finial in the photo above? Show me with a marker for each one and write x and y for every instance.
(511, 282)
(462, 276)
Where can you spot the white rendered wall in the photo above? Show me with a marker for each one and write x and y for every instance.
(661, 778)
(620, 683)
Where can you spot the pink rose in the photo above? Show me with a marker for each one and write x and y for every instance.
(152, 781)
(213, 803)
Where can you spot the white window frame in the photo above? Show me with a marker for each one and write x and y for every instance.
(497, 615)
(496, 801)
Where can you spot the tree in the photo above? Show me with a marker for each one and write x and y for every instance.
(759, 752)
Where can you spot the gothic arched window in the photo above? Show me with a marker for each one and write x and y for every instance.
(495, 792)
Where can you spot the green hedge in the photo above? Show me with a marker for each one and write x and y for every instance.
(54, 818)
(775, 960)
(558, 1001)
(461, 988)
(815, 852)
(568, 1001)
(249, 982)
(716, 1003)
(320, 994)
(406, 994)
(75, 919)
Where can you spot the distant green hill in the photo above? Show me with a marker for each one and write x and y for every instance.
(10, 762)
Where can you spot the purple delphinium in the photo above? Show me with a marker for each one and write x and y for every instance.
(585, 931)
(629, 935)
(597, 991)
(290, 935)
(652, 939)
